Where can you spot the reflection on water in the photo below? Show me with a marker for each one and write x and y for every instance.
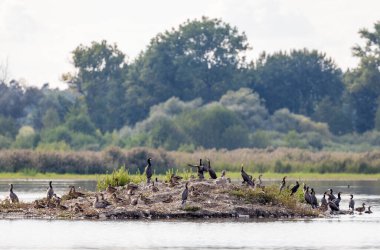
(340, 232)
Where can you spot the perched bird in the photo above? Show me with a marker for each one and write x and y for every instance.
(145, 199)
(331, 195)
(307, 196)
(295, 188)
(223, 174)
(333, 206)
(304, 188)
(169, 199)
(131, 188)
(337, 200)
(314, 201)
(246, 178)
(361, 209)
(148, 171)
(211, 171)
(260, 184)
(154, 188)
(194, 192)
(104, 200)
(222, 179)
(58, 203)
(12, 196)
(283, 183)
(75, 194)
(200, 169)
(77, 208)
(368, 211)
(351, 204)
(50, 191)
(185, 193)
(98, 203)
(323, 200)
(110, 189)
(135, 200)
(38, 205)
(174, 179)
(116, 199)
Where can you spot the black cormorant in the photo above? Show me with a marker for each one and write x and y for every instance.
(283, 183)
(200, 169)
(246, 177)
(295, 188)
(12, 196)
(211, 171)
(314, 201)
(50, 191)
(148, 171)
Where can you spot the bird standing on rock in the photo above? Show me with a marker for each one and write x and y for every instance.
(307, 196)
(200, 169)
(351, 204)
(185, 194)
(246, 178)
(283, 183)
(12, 196)
(211, 171)
(148, 171)
(324, 201)
(331, 195)
(50, 191)
(337, 200)
(314, 201)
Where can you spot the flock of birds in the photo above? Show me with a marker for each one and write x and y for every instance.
(328, 201)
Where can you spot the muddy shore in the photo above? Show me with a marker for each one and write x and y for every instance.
(206, 199)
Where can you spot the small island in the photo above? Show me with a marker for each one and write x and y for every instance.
(164, 200)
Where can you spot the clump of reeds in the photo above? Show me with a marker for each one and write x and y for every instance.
(119, 177)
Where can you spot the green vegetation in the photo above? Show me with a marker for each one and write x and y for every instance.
(191, 89)
(270, 196)
(119, 177)
(281, 161)
(192, 94)
(189, 208)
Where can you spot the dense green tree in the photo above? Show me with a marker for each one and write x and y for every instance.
(364, 81)
(51, 119)
(298, 80)
(248, 105)
(100, 79)
(202, 58)
(8, 127)
(337, 115)
(214, 126)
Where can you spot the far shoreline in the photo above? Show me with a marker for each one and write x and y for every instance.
(20, 176)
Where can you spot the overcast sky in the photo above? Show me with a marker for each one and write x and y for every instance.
(36, 37)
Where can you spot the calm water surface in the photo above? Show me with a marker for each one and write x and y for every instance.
(341, 232)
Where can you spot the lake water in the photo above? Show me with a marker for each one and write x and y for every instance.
(340, 232)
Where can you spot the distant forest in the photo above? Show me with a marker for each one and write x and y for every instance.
(192, 88)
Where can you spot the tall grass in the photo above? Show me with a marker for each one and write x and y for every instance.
(119, 177)
(280, 160)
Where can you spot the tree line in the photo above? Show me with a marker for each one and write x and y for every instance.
(194, 87)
